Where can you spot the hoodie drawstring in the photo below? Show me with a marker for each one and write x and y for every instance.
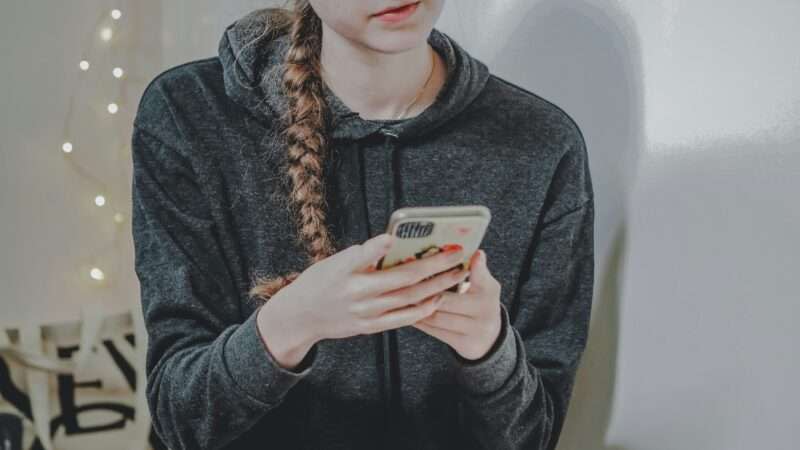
(388, 339)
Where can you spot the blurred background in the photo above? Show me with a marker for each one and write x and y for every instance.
(691, 114)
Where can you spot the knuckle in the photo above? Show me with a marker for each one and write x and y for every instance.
(355, 287)
(432, 308)
(357, 309)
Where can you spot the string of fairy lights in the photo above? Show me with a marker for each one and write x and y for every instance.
(96, 61)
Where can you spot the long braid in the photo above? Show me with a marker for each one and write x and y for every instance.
(305, 133)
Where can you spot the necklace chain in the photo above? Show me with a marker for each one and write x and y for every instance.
(421, 90)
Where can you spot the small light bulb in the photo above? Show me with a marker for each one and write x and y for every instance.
(84, 65)
(116, 14)
(97, 274)
(113, 108)
(100, 200)
(118, 72)
(106, 34)
(67, 147)
(119, 218)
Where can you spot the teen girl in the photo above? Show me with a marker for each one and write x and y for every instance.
(263, 181)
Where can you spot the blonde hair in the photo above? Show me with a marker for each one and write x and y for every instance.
(305, 132)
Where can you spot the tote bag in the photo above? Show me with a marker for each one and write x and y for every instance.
(76, 385)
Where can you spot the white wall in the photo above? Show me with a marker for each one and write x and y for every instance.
(707, 356)
(51, 233)
(719, 69)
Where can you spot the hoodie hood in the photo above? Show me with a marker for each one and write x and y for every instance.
(254, 80)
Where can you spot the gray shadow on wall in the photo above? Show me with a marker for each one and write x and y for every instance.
(585, 58)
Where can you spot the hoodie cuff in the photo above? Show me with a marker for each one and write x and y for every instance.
(253, 368)
(488, 373)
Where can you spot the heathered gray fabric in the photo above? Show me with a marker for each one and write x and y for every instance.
(207, 217)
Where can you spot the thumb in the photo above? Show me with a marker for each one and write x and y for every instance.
(478, 271)
(369, 252)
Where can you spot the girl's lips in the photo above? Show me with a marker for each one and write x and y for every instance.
(398, 14)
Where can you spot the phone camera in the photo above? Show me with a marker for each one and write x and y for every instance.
(415, 229)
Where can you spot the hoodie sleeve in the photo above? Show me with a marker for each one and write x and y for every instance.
(209, 375)
(516, 396)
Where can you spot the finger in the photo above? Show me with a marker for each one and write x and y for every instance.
(412, 294)
(405, 316)
(410, 273)
(454, 322)
(461, 303)
(448, 337)
(480, 278)
(367, 254)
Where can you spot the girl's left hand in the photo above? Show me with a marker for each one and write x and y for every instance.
(470, 321)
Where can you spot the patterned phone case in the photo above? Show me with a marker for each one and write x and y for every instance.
(423, 231)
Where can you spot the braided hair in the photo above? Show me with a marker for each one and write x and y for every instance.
(305, 132)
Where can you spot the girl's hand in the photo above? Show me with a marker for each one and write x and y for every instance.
(470, 321)
(342, 295)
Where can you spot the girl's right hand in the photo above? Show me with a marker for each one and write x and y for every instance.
(343, 295)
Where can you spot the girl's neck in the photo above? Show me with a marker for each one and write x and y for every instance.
(379, 85)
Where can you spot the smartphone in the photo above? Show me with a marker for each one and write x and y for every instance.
(422, 231)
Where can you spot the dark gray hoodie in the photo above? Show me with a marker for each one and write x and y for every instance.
(208, 217)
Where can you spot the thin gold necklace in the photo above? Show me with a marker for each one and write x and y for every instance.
(422, 89)
(430, 75)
